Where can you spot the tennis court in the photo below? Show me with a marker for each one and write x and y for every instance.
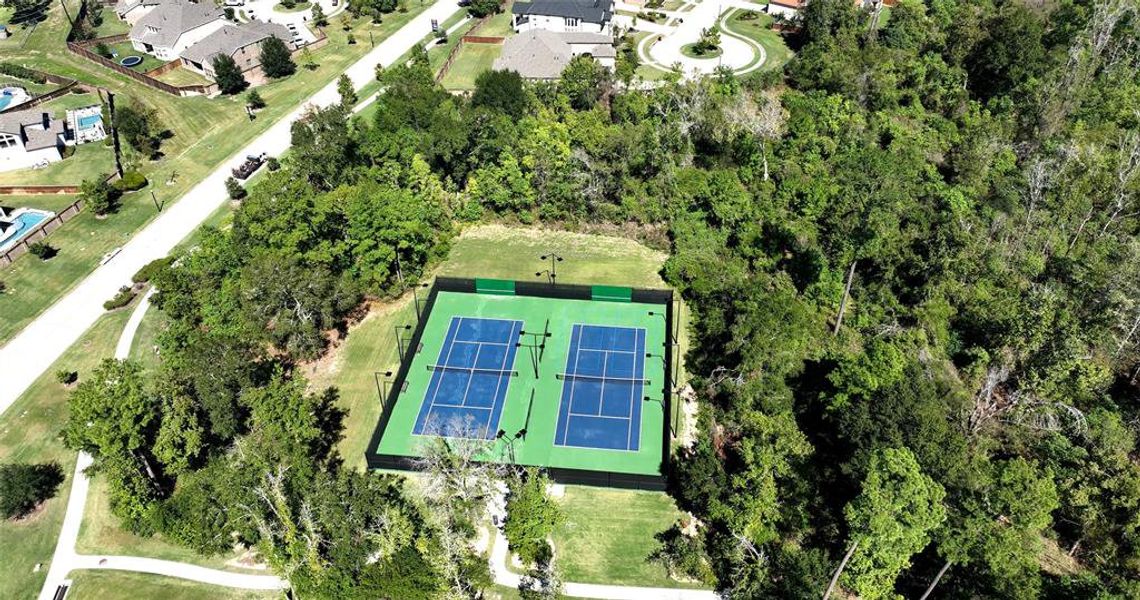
(470, 379)
(570, 384)
(602, 388)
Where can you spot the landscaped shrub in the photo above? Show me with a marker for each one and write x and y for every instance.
(3, 287)
(102, 50)
(66, 376)
(150, 269)
(130, 181)
(121, 299)
(22, 72)
(234, 189)
(41, 250)
(272, 163)
(254, 100)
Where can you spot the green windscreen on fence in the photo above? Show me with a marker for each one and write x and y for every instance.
(612, 293)
(495, 286)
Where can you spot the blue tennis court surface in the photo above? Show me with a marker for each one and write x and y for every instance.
(602, 389)
(469, 381)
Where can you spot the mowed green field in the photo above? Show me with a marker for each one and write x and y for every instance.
(202, 133)
(118, 585)
(29, 432)
(606, 536)
(471, 60)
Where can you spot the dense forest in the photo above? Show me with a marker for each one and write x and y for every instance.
(913, 263)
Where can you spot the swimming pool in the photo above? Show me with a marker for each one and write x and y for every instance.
(89, 121)
(11, 96)
(21, 222)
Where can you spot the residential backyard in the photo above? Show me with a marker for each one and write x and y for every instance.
(471, 60)
(202, 133)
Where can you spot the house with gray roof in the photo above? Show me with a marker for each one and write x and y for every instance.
(173, 26)
(588, 16)
(133, 10)
(29, 138)
(241, 42)
(543, 55)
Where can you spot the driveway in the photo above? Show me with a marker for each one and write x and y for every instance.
(269, 11)
(683, 28)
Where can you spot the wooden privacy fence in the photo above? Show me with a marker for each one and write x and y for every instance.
(39, 232)
(37, 190)
(81, 48)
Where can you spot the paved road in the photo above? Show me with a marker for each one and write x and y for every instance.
(32, 351)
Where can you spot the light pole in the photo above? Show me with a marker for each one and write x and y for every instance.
(382, 389)
(400, 341)
(416, 296)
(552, 272)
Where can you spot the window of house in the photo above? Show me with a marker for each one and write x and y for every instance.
(571, 21)
(7, 141)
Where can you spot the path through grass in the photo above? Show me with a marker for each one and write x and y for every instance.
(119, 585)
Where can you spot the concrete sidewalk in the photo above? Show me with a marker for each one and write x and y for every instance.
(33, 350)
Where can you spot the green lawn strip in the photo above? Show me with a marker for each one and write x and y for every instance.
(471, 60)
(102, 533)
(760, 31)
(606, 536)
(121, 585)
(29, 432)
(499, 25)
(112, 24)
(183, 77)
(206, 131)
(33, 88)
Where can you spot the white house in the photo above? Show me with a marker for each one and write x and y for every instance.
(588, 16)
(29, 138)
(788, 9)
(133, 10)
(173, 26)
(543, 55)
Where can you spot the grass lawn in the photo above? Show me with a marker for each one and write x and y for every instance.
(606, 535)
(498, 25)
(120, 585)
(759, 29)
(112, 24)
(472, 60)
(205, 131)
(90, 161)
(123, 49)
(183, 76)
(29, 432)
(371, 344)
